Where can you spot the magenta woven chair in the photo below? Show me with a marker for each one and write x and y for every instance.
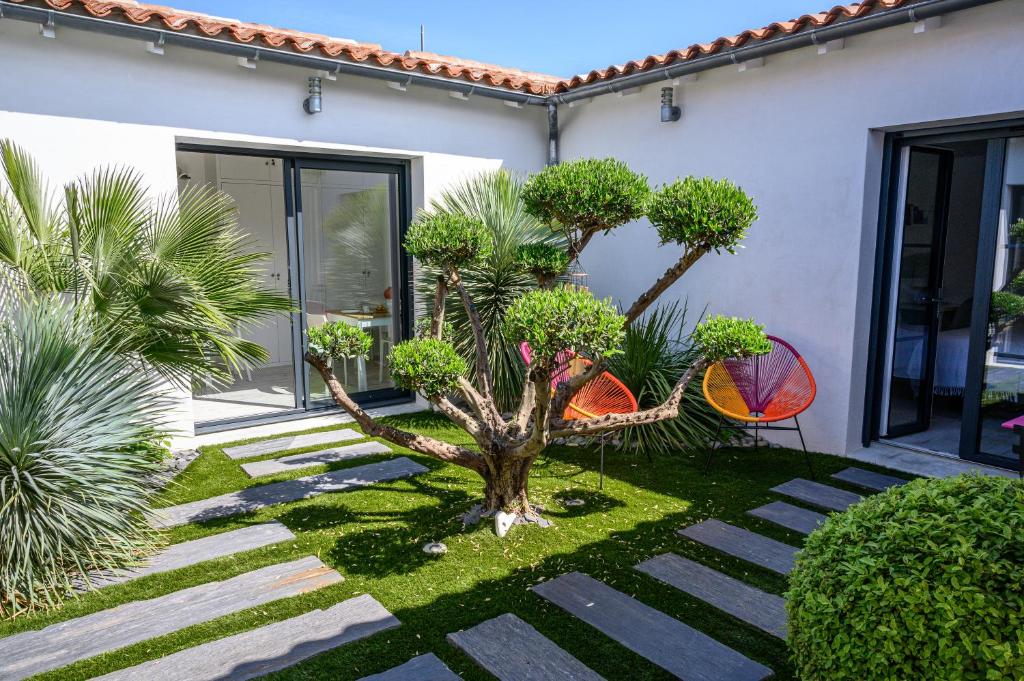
(753, 392)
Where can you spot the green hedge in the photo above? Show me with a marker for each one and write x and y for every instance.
(924, 581)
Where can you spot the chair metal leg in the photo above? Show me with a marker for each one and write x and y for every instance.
(601, 479)
(756, 445)
(807, 456)
(714, 446)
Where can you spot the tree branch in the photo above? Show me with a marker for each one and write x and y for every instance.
(422, 444)
(522, 416)
(568, 389)
(670, 277)
(440, 294)
(483, 363)
(612, 422)
(540, 436)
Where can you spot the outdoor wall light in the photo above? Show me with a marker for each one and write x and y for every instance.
(314, 103)
(669, 113)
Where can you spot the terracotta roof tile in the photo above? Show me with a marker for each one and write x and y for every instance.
(434, 64)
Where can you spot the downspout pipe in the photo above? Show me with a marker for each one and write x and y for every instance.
(553, 134)
(844, 29)
(38, 15)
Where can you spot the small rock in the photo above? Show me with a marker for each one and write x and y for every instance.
(569, 503)
(503, 522)
(435, 548)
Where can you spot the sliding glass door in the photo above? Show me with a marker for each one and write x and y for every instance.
(330, 231)
(350, 266)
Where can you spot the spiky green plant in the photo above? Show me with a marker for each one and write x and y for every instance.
(77, 443)
(498, 279)
(171, 279)
(655, 353)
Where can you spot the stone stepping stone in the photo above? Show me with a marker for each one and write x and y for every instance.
(512, 650)
(763, 610)
(422, 668)
(254, 498)
(817, 494)
(789, 516)
(270, 648)
(198, 550)
(296, 462)
(876, 482)
(292, 442)
(60, 644)
(665, 641)
(741, 543)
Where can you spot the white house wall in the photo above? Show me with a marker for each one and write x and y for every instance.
(803, 136)
(85, 100)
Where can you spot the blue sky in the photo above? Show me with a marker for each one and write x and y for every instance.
(561, 37)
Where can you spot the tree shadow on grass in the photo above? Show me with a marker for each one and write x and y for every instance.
(594, 501)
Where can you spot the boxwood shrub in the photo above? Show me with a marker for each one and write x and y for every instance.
(925, 581)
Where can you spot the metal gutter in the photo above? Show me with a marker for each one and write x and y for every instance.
(816, 36)
(159, 36)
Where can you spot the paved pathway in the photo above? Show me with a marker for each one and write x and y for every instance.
(665, 641)
(741, 543)
(34, 652)
(287, 464)
(817, 494)
(254, 498)
(875, 482)
(292, 442)
(763, 610)
(198, 550)
(512, 650)
(270, 648)
(789, 516)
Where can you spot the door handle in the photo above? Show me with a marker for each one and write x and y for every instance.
(925, 300)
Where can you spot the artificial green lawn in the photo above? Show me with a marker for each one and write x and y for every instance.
(373, 537)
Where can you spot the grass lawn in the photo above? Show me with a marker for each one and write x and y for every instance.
(373, 537)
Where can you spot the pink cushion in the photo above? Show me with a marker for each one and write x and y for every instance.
(1019, 421)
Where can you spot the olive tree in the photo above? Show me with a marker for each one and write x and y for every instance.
(580, 199)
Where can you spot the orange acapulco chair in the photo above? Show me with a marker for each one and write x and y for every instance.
(761, 390)
(603, 394)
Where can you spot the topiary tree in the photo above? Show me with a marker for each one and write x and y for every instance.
(924, 581)
(578, 199)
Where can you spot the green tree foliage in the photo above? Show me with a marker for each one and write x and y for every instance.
(447, 240)
(552, 320)
(920, 582)
(719, 337)
(586, 196)
(702, 214)
(171, 279)
(545, 261)
(338, 341)
(77, 443)
(426, 365)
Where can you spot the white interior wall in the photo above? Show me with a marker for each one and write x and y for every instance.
(802, 135)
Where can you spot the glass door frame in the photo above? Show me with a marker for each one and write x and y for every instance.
(996, 135)
(401, 264)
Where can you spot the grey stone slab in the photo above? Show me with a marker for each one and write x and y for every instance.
(198, 550)
(876, 482)
(817, 494)
(763, 610)
(679, 649)
(789, 516)
(254, 498)
(282, 444)
(295, 462)
(269, 648)
(60, 644)
(741, 543)
(512, 650)
(421, 668)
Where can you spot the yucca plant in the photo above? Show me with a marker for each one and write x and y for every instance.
(77, 443)
(170, 278)
(655, 354)
(498, 279)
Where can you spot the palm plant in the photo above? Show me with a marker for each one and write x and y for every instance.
(170, 279)
(656, 352)
(76, 448)
(498, 279)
